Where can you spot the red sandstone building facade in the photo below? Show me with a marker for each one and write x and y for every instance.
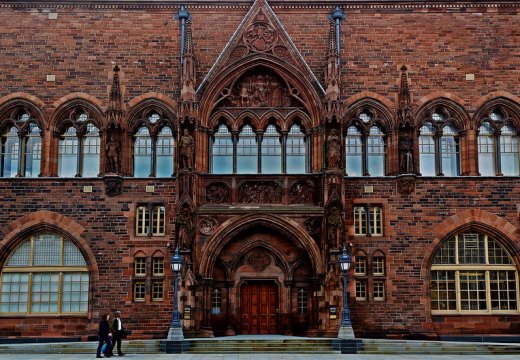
(259, 138)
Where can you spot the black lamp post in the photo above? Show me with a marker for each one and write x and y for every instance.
(175, 332)
(345, 331)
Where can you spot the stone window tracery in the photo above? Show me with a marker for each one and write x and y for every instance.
(473, 273)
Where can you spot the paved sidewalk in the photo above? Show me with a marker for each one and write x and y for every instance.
(259, 357)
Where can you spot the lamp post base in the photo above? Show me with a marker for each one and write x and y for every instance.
(175, 334)
(346, 332)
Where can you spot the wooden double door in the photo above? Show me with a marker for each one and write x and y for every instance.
(259, 308)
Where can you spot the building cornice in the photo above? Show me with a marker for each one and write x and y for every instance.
(432, 5)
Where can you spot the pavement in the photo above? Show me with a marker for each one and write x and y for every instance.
(257, 357)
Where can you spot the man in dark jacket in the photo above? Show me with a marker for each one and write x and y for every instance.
(118, 332)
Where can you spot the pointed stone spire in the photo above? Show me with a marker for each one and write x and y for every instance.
(188, 96)
(115, 101)
(332, 76)
(404, 111)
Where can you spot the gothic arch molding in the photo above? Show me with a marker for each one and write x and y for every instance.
(511, 108)
(136, 115)
(457, 114)
(47, 220)
(66, 105)
(383, 114)
(12, 103)
(230, 229)
(304, 88)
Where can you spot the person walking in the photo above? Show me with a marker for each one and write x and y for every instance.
(104, 336)
(118, 333)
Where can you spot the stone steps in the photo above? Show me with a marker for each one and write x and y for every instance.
(380, 346)
(132, 347)
(302, 346)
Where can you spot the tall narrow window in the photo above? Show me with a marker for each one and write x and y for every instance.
(375, 217)
(140, 266)
(450, 152)
(91, 152)
(354, 152)
(247, 151)
(296, 151)
(142, 153)
(375, 152)
(165, 151)
(486, 150)
(368, 220)
(33, 152)
(427, 150)
(361, 289)
(68, 154)
(222, 151)
(10, 153)
(150, 220)
(360, 220)
(158, 220)
(509, 151)
(302, 301)
(271, 151)
(216, 301)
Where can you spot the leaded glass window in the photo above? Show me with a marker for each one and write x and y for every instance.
(10, 153)
(33, 152)
(222, 151)
(247, 151)
(473, 273)
(142, 153)
(90, 152)
(509, 151)
(164, 153)
(271, 151)
(68, 154)
(450, 152)
(45, 274)
(375, 152)
(216, 301)
(486, 150)
(354, 152)
(302, 301)
(427, 150)
(296, 151)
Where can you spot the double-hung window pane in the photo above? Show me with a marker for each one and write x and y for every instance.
(376, 152)
(33, 152)
(165, 151)
(271, 151)
(91, 152)
(10, 153)
(68, 154)
(486, 150)
(450, 151)
(354, 152)
(427, 150)
(142, 153)
(509, 151)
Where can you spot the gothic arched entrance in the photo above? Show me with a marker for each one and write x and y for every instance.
(261, 276)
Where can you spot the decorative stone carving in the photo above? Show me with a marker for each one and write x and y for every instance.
(404, 112)
(187, 150)
(239, 52)
(313, 226)
(302, 192)
(184, 226)
(217, 193)
(260, 37)
(258, 259)
(334, 228)
(113, 185)
(406, 184)
(207, 225)
(405, 155)
(333, 149)
(260, 192)
(258, 90)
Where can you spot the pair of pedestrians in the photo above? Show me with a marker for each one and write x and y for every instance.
(110, 334)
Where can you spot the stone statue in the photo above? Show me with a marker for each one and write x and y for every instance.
(334, 227)
(185, 226)
(187, 150)
(112, 156)
(405, 156)
(333, 149)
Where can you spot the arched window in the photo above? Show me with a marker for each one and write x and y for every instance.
(45, 274)
(90, 148)
(33, 152)
(142, 153)
(222, 151)
(354, 152)
(296, 151)
(375, 152)
(473, 273)
(450, 151)
(509, 151)
(247, 151)
(165, 151)
(427, 150)
(486, 150)
(271, 151)
(68, 154)
(10, 152)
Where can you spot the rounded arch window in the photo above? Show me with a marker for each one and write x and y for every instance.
(45, 274)
(473, 273)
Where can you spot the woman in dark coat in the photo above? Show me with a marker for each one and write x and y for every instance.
(104, 335)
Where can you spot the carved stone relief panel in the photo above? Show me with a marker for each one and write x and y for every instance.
(302, 192)
(260, 192)
(258, 259)
(218, 193)
(207, 225)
